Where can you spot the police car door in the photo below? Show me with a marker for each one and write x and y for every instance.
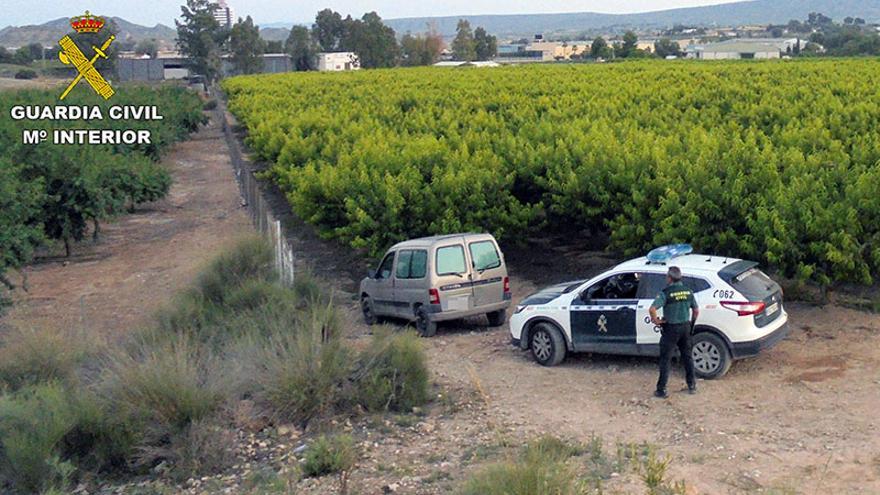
(604, 315)
(650, 284)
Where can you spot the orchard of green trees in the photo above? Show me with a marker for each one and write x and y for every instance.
(776, 162)
(52, 193)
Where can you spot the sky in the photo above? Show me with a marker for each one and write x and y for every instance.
(151, 12)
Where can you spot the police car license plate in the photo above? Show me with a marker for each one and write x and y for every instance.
(457, 303)
(773, 308)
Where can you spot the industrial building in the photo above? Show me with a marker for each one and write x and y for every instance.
(746, 48)
(172, 66)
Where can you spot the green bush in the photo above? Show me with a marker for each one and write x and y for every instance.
(250, 259)
(202, 448)
(31, 357)
(329, 455)
(552, 448)
(165, 387)
(524, 478)
(301, 372)
(33, 423)
(393, 373)
(26, 74)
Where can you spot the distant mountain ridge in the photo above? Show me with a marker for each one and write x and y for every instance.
(729, 14)
(50, 32)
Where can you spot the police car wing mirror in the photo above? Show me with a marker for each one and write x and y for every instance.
(371, 273)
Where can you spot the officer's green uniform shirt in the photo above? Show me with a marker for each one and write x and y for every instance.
(677, 301)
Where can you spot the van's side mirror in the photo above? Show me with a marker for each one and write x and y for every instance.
(371, 273)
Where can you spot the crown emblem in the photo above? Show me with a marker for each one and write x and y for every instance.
(87, 23)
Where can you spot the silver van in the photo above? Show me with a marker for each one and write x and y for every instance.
(436, 279)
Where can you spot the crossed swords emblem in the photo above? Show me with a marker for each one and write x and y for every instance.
(71, 54)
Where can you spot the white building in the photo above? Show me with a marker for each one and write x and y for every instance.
(338, 61)
(224, 14)
(739, 49)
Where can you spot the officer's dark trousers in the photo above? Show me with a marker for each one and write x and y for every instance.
(677, 335)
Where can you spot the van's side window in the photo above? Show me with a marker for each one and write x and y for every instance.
(450, 260)
(484, 255)
(403, 262)
(412, 264)
(419, 265)
(386, 267)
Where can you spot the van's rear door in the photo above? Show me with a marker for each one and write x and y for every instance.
(453, 275)
(488, 271)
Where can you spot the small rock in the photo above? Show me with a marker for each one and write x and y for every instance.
(390, 488)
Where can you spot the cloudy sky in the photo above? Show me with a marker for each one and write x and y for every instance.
(150, 12)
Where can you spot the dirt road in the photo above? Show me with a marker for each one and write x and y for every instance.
(141, 259)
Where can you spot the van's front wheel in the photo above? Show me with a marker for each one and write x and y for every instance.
(424, 325)
(370, 317)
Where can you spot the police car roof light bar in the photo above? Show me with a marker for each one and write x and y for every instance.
(663, 254)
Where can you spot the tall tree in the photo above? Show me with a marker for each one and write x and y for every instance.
(247, 47)
(274, 46)
(485, 45)
(422, 49)
(200, 38)
(374, 43)
(301, 48)
(666, 48)
(463, 46)
(600, 48)
(329, 30)
(147, 47)
(630, 44)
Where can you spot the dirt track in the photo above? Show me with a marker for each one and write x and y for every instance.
(141, 259)
(799, 419)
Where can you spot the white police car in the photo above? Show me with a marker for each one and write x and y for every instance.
(741, 311)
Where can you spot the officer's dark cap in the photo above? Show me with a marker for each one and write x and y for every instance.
(674, 273)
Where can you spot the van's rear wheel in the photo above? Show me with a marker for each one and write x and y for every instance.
(711, 356)
(370, 317)
(547, 344)
(497, 318)
(424, 325)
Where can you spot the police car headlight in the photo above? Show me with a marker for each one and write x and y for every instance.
(520, 307)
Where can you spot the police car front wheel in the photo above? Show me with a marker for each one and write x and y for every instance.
(547, 344)
(711, 356)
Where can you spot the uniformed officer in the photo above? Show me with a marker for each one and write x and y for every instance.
(680, 311)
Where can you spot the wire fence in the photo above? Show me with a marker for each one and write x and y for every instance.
(258, 207)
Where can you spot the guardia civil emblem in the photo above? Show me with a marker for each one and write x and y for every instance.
(603, 324)
(70, 54)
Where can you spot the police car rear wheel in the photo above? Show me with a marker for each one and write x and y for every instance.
(547, 344)
(711, 357)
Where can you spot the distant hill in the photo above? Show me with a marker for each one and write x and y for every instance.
(731, 14)
(50, 32)
(274, 33)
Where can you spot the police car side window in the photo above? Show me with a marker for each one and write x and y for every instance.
(695, 284)
(651, 284)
